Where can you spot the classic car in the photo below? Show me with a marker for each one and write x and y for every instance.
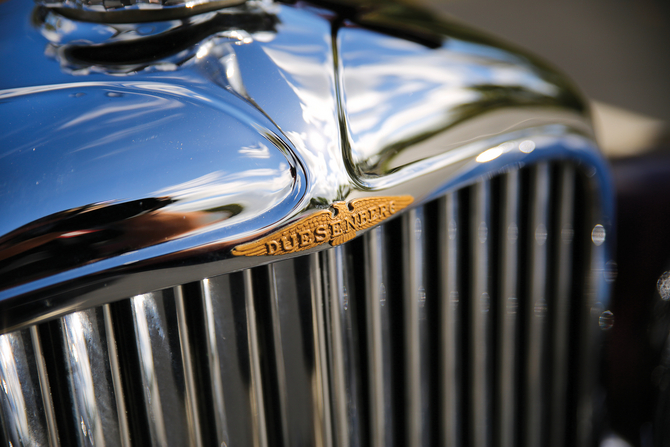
(320, 223)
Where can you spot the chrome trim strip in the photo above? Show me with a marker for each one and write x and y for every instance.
(162, 376)
(258, 406)
(480, 316)
(187, 363)
(412, 336)
(537, 309)
(236, 409)
(344, 368)
(450, 322)
(279, 366)
(44, 387)
(296, 370)
(332, 276)
(124, 430)
(322, 420)
(89, 379)
(214, 359)
(562, 305)
(507, 343)
(417, 300)
(151, 395)
(377, 387)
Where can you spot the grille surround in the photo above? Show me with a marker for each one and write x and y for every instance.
(321, 336)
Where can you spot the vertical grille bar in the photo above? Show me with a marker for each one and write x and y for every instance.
(232, 360)
(343, 349)
(322, 421)
(561, 314)
(296, 351)
(480, 315)
(450, 326)
(376, 384)
(23, 416)
(189, 376)
(258, 404)
(278, 348)
(152, 402)
(44, 387)
(417, 342)
(90, 379)
(536, 309)
(161, 369)
(333, 284)
(208, 289)
(508, 322)
(412, 343)
(124, 431)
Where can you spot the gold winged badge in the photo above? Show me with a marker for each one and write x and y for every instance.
(324, 226)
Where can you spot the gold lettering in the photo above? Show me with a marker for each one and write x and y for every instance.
(306, 237)
(321, 233)
(383, 210)
(363, 217)
(351, 223)
(336, 229)
(338, 224)
(374, 213)
(273, 246)
(287, 245)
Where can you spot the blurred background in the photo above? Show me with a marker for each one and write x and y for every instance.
(617, 52)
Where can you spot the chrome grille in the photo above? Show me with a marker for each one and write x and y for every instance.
(463, 322)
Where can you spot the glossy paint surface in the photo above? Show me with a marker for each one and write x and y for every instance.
(117, 163)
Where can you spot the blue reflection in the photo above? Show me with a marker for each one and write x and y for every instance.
(399, 93)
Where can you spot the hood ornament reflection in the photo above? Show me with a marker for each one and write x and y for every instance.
(324, 226)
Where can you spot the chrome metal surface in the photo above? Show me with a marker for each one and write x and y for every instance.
(124, 430)
(537, 311)
(24, 419)
(91, 382)
(304, 136)
(259, 425)
(560, 351)
(163, 384)
(379, 339)
(47, 402)
(416, 330)
(481, 321)
(135, 10)
(509, 321)
(387, 132)
(276, 346)
(231, 350)
(320, 383)
(296, 352)
(189, 364)
(346, 382)
(123, 197)
(451, 425)
(403, 336)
